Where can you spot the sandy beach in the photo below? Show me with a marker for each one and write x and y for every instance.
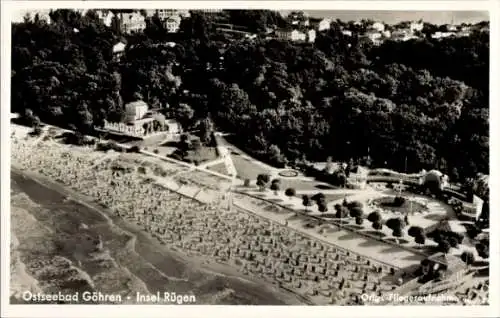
(158, 267)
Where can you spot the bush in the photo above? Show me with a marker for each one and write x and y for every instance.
(342, 213)
(37, 131)
(482, 250)
(458, 236)
(473, 231)
(395, 223)
(246, 183)
(399, 201)
(420, 239)
(290, 192)
(467, 257)
(397, 232)
(263, 179)
(318, 197)
(453, 242)
(359, 220)
(156, 151)
(374, 217)
(356, 212)
(444, 246)
(306, 201)
(377, 225)
(415, 231)
(134, 149)
(322, 207)
(355, 204)
(275, 186)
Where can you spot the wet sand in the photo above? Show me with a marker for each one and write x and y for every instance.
(159, 267)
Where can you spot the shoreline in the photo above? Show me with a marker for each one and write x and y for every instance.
(140, 237)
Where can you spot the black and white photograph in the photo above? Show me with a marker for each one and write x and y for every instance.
(237, 156)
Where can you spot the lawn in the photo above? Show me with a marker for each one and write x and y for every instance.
(161, 150)
(220, 168)
(201, 155)
(247, 169)
(304, 185)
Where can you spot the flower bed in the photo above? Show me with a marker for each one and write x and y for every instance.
(288, 173)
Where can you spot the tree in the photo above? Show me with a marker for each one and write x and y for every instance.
(454, 175)
(290, 192)
(395, 223)
(246, 183)
(397, 233)
(341, 212)
(318, 197)
(420, 239)
(444, 246)
(205, 130)
(407, 219)
(184, 114)
(196, 145)
(322, 207)
(473, 232)
(275, 186)
(374, 217)
(37, 131)
(306, 202)
(340, 178)
(263, 180)
(467, 257)
(415, 231)
(377, 226)
(359, 220)
(275, 155)
(453, 242)
(316, 98)
(483, 250)
(356, 212)
(355, 204)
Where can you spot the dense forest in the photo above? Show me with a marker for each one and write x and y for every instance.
(425, 100)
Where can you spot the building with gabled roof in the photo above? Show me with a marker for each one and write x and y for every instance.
(129, 22)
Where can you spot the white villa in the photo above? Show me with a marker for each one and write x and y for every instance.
(140, 122)
(347, 32)
(129, 22)
(106, 17)
(296, 35)
(172, 23)
(324, 24)
(378, 26)
(118, 50)
(416, 26)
